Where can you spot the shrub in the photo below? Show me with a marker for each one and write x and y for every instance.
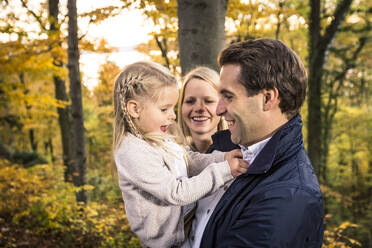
(28, 159)
(38, 209)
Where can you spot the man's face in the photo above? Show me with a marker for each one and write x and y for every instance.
(243, 114)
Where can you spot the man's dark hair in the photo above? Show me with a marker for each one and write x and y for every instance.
(268, 64)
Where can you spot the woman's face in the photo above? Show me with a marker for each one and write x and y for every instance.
(199, 107)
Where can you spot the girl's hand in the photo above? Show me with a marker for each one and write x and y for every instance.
(236, 153)
(237, 165)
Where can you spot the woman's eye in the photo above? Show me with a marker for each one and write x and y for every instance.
(163, 110)
(189, 101)
(209, 101)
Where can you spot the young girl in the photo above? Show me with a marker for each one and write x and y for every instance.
(153, 175)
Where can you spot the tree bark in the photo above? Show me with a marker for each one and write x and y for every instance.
(79, 155)
(64, 114)
(319, 46)
(201, 32)
(64, 120)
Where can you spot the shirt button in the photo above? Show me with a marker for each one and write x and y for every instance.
(225, 187)
(208, 211)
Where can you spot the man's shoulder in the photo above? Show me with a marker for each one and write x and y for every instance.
(294, 176)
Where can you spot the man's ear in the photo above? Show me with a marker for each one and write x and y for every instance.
(270, 99)
(133, 108)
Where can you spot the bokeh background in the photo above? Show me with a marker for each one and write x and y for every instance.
(58, 63)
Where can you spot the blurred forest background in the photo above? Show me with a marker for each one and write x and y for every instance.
(56, 188)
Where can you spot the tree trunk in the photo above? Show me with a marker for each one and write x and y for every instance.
(64, 114)
(79, 155)
(51, 149)
(64, 120)
(32, 140)
(330, 107)
(31, 133)
(201, 32)
(278, 17)
(48, 149)
(319, 46)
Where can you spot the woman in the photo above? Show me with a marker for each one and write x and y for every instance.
(204, 132)
(197, 116)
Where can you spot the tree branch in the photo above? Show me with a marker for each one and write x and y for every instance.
(38, 19)
(340, 14)
(163, 50)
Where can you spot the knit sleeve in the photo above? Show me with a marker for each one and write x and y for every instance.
(197, 162)
(143, 166)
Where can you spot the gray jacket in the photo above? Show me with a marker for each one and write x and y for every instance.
(152, 194)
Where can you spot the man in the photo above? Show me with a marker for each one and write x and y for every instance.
(277, 202)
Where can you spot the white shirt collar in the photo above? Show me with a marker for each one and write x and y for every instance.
(250, 152)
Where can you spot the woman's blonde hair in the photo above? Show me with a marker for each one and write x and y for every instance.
(140, 81)
(211, 77)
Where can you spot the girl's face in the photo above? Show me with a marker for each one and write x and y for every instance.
(199, 107)
(158, 116)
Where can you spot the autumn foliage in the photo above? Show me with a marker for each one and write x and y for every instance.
(38, 205)
(40, 210)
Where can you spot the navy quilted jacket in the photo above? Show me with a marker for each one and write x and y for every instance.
(276, 203)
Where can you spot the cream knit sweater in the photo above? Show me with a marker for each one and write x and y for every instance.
(153, 195)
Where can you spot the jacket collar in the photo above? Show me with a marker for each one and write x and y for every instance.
(284, 143)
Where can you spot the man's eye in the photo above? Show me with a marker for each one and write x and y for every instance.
(227, 97)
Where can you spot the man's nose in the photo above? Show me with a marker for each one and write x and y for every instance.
(221, 109)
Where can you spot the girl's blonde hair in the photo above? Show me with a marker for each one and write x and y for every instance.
(140, 81)
(211, 77)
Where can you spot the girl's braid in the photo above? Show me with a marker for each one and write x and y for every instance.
(128, 86)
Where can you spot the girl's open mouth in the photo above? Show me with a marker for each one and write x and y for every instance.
(163, 129)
